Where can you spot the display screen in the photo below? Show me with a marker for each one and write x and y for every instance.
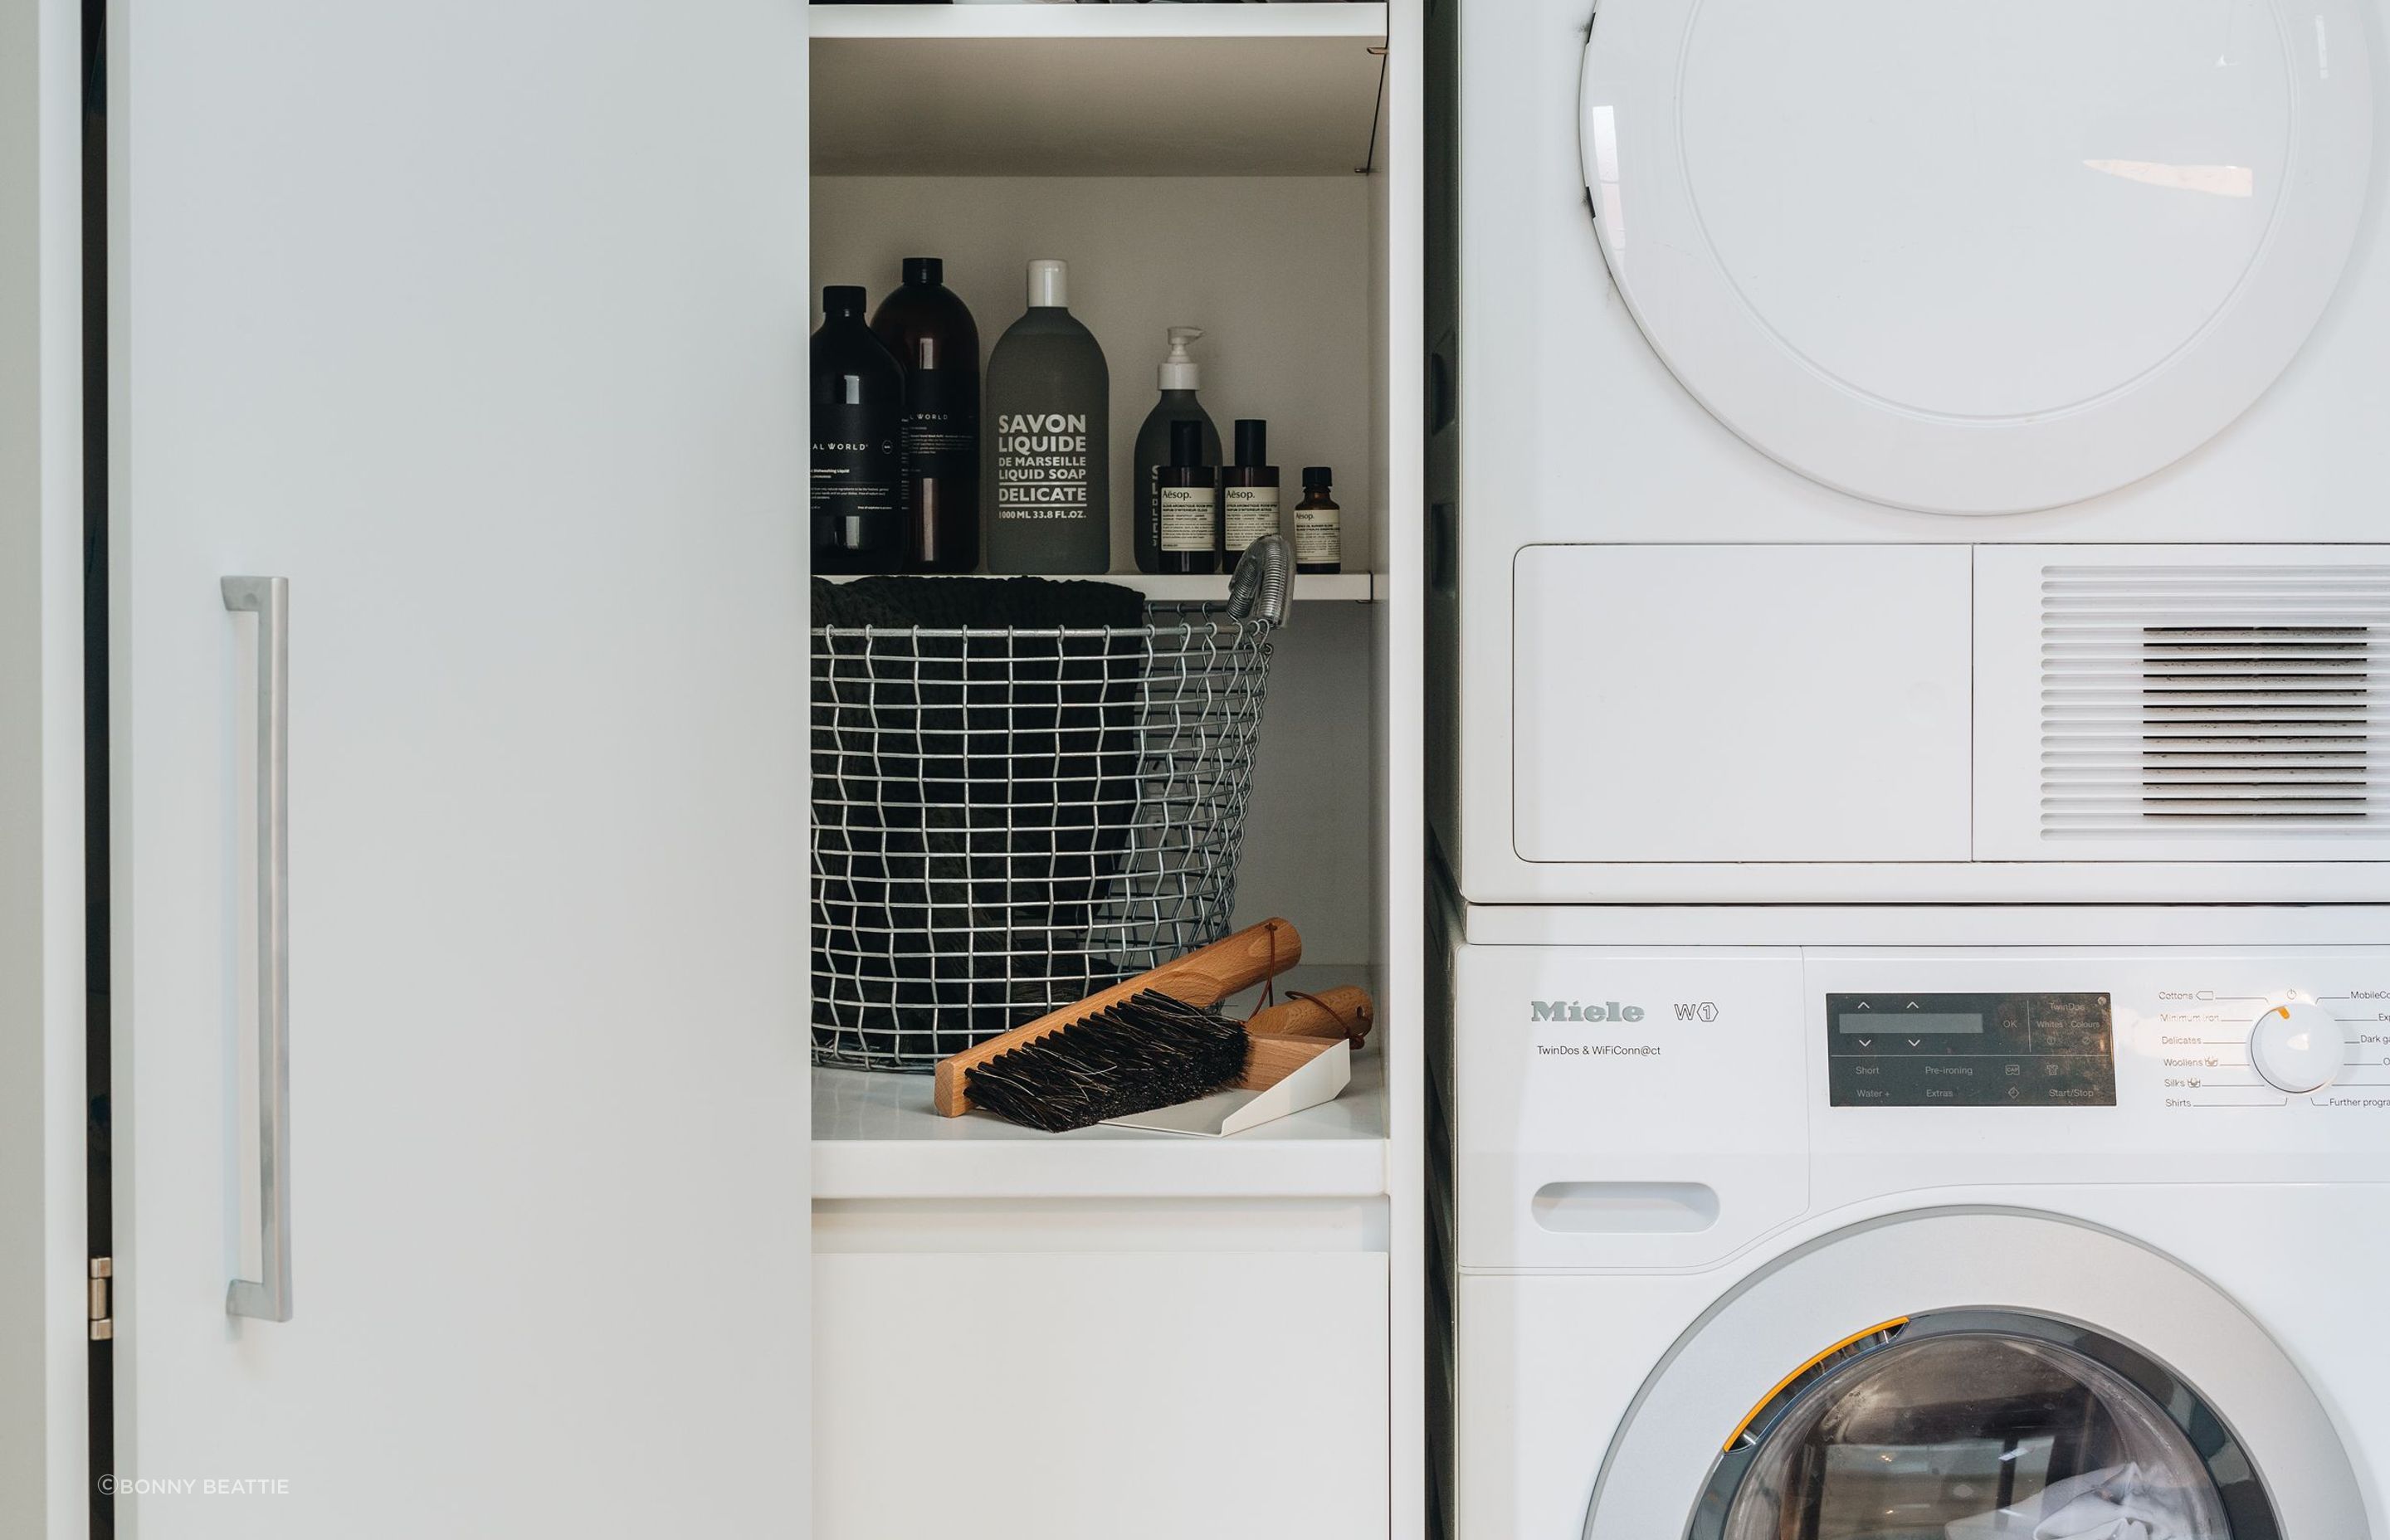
(1970, 1050)
(1914, 1022)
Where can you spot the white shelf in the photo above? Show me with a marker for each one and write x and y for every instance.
(875, 1137)
(1348, 587)
(1057, 90)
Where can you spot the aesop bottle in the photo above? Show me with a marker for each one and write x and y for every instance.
(1180, 380)
(1319, 525)
(1048, 449)
(858, 521)
(1188, 504)
(1247, 493)
(926, 327)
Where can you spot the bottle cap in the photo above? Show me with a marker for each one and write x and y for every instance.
(842, 298)
(1178, 370)
(1253, 442)
(1317, 476)
(925, 270)
(1049, 284)
(1187, 442)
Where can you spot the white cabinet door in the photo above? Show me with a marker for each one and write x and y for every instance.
(482, 326)
(1085, 1396)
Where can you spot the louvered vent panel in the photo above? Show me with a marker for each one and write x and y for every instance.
(2219, 700)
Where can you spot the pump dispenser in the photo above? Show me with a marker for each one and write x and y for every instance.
(1179, 376)
(1178, 371)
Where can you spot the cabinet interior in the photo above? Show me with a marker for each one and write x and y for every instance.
(1220, 166)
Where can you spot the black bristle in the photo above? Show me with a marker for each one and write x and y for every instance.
(1148, 1051)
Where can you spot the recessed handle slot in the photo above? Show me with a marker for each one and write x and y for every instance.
(1624, 1208)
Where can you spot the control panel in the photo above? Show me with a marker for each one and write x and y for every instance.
(2234, 1046)
(1663, 1107)
(2143, 1032)
(1969, 1051)
(2052, 1049)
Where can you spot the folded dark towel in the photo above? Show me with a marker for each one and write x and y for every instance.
(972, 797)
(1030, 603)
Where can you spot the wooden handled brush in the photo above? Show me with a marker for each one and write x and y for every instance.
(1201, 979)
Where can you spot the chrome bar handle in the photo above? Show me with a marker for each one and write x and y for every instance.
(269, 598)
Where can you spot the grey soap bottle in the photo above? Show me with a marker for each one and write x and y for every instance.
(1048, 448)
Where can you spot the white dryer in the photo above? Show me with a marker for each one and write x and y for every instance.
(1906, 449)
(1918, 1225)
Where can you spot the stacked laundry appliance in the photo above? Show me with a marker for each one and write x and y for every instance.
(1910, 604)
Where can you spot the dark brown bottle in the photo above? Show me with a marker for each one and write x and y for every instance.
(1319, 525)
(928, 328)
(1187, 505)
(858, 492)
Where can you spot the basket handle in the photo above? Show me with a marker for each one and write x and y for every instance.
(1262, 585)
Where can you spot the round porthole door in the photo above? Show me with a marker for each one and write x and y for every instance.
(2039, 1378)
(1980, 1425)
(1969, 258)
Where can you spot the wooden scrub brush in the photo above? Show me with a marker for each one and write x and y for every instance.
(1155, 1041)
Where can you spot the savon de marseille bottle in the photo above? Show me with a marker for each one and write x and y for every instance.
(1048, 448)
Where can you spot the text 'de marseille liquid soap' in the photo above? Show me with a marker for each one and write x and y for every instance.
(1048, 449)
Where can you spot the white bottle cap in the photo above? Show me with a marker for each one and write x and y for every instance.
(1049, 284)
(1178, 371)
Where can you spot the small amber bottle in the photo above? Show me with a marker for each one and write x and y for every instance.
(1318, 529)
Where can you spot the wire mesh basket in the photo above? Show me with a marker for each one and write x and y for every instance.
(1005, 821)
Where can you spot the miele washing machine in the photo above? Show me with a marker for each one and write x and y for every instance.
(1916, 1224)
(1906, 450)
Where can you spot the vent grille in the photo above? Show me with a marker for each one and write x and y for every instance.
(2241, 700)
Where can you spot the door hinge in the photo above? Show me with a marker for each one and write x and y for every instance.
(103, 1323)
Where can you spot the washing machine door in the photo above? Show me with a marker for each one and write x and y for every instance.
(1971, 258)
(2008, 1375)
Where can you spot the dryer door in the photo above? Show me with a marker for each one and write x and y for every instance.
(2011, 1375)
(1977, 258)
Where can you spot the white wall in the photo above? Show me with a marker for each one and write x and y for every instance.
(1308, 846)
(40, 926)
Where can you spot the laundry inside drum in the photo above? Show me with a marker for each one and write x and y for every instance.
(1975, 1437)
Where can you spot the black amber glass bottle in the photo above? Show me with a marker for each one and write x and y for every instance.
(1247, 493)
(930, 331)
(1187, 503)
(858, 518)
